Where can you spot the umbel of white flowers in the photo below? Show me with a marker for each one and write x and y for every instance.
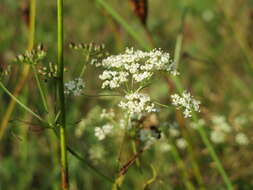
(137, 103)
(74, 87)
(135, 65)
(187, 102)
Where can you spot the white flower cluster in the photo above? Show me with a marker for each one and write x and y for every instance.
(241, 139)
(165, 147)
(197, 124)
(148, 137)
(107, 114)
(96, 152)
(137, 103)
(101, 132)
(140, 65)
(181, 143)
(74, 87)
(221, 129)
(174, 129)
(187, 102)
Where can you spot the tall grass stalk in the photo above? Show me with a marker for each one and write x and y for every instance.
(135, 35)
(61, 98)
(25, 71)
(180, 163)
(180, 118)
(201, 130)
(242, 42)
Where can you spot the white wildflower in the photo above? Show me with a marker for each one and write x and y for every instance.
(113, 79)
(197, 124)
(147, 136)
(208, 15)
(241, 120)
(181, 143)
(122, 123)
(107, 114)
(165, 147)
(107, 128)
(101, 132)
(137, 103)
(218, 136)
(134, 65)
(74, 87)
(241, 139)
(220, 123)
(187, 102)
(174, 132)
(96, 152)
(173, 129)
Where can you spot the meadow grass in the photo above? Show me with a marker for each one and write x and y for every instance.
(79, 125)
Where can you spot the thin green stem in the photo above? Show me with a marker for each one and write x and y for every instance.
(178, 48)
(19, 102)
(175, 154)
(84, 66)
(41, 90)
(61, 98)
(213, 154)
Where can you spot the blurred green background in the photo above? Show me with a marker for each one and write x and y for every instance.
(216, 66)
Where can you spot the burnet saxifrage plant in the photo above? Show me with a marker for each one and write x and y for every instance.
(130, 74)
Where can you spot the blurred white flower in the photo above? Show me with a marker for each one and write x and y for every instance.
(218, 136)
(107, 114)
(148, 137)
(220, 123)
(199, 123)
(181, 143)
(122, 123)
(241, 120)
(187, 102)
(241, 139)
(74, 87)
(96, 152)
(174, 132)
(145, 134)
(101, 132)
(208, 15)
(107, 128)
(137, 103)
(165, 147)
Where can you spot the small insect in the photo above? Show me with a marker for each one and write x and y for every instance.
(150, 122)
(140, 8)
